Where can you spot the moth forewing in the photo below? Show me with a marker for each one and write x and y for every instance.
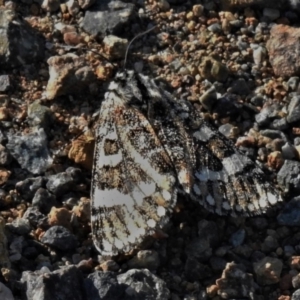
(134, 186)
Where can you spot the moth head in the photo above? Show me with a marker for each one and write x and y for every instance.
(127, 86)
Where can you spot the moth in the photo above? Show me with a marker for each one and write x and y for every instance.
(149, 147)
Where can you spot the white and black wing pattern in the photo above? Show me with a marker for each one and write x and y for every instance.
(209, 167)
(226, 181)
(148, 147)
(134, 186)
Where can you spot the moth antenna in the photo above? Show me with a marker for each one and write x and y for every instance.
(90, 50)
(136, 37)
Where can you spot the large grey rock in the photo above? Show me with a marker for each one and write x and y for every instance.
(30, 151)
(19, 44)
(107, 17)
(142, 284)
(69, 74)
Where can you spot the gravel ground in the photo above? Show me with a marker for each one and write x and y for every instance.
(236, 61)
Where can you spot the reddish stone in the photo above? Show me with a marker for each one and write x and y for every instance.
(284, 50)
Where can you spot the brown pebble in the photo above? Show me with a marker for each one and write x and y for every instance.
(212, 290)
(60, 216)
(82, 150)
(294, 262)
(246, 141)
(4, 175)
(72, 38)
(284, 297)
(275, 160)
(296, 130)
(198, 10)
(104, 72)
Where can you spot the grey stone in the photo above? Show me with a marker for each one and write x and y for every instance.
(199, 248)
(266, 114)
(103, 286)
(66, 283)
(257, 100)
(38, 115)
(19, 43)
(280, 124)
(209, 230)
(15, 248)
(215, 28)
(5, 157)
(5, 293)
(44, 200)
(238, 237)
(293, 83)
(269, 244)
(274, 134)
(60, 183)
(19, 226)
(142, 284)
(4, 83)
(268, 270)
(294, 110)
(34, 216)
(240, 87)
(226, 130)
(4, 259)
(289, 151)
(60, 238)
(195, 270)
(209, 98)
(271, 13)
(29, 186)
(107, 17)
(259, 54)
(30, 150)
(217, 263)
(288, 176)
(290, 215)
(296, 282)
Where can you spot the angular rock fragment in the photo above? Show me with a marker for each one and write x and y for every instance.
(107, 17)
(68, 75)
(283, 48)
(30, 150)
(19, 44)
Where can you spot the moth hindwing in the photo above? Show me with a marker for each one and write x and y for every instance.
(149, 146)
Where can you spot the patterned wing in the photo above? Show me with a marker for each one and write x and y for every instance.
(226, 181)
(133, 184)
(167, 118)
